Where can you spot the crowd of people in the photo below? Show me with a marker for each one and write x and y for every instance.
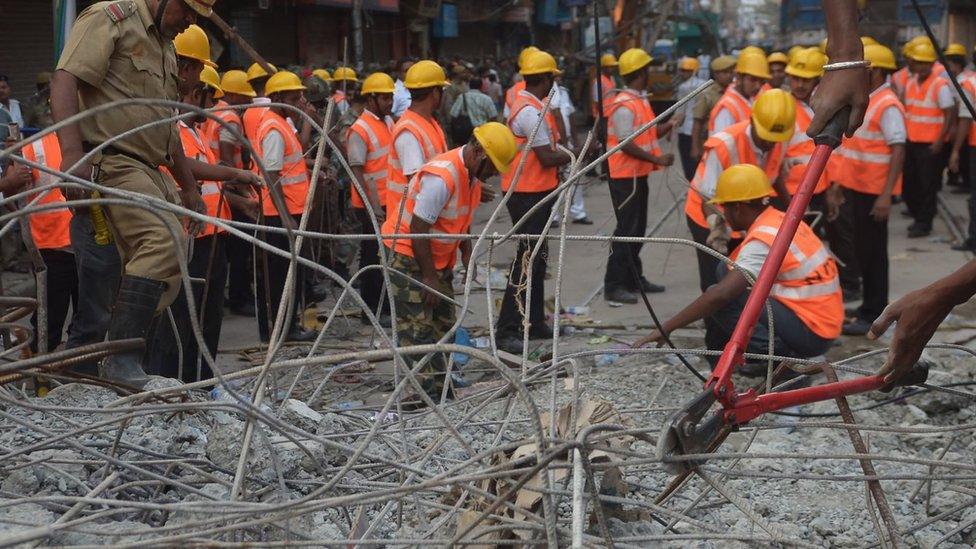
(422, 140)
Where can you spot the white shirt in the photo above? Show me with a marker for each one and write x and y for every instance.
(401, 98)
(432, 197)
(684, 89)
(947, 97)
(622, 123)
(355, 149)
(526, 120)
(752, 255)
(566, 109)
(723, 119)
(14, 111)
(410, 153)
(273, 147)
(963, 111)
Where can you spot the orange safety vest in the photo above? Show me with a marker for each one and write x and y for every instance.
(251, 119)
(339, 97)
(969, 84)
(807, 282)
(735, 102)
(799, 149)
(535, 177)
(293, 179)
(211, 132)
(862, 162)
(378, 136)
(733, 145)
(923, 117)
(194, 147)
(623, 165)
(455, 218)
(51, 229)
(608, 92)
(432, 141)
(512, 94)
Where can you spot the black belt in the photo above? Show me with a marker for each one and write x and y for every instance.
(111, 150)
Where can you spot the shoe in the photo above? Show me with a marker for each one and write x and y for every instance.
(649, 287)
(315, 294)
(918, 230)
(245, 309)
(541, 331)
(620, 295)
(132, 316)
(967, 245)
(583, 221)
(510, 343)
(850, 296)
(858, 327)
(296, 333)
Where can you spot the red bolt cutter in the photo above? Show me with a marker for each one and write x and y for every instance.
(686, 433)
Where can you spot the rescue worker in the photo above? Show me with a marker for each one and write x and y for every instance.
(751, 72)
(777, 69)
(900, 78)
(367, 149)
(965, 140)
(806, 296)
(279, 150)
(722, 72)
(442, 198)
(608, 63)
(688, 75)
(630, 168)
(229, 151)
(868, 168)
(957, 60)
(804, 74)
(345, 82)
(257, 77)
(539, 176)
(930, 116)
(51, 233)
(323, 75)
(761, 141)
(38, 108)
(512, 93)
(417, 137)
(208, 259)
(88, 76)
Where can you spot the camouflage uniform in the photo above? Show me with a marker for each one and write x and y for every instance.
(416, 325)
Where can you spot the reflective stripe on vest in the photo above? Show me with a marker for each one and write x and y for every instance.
(736, 104)
(431, 138)
(512, 94)
(377, 135)
(862, 162)
(623, 165)
(50, 229)
(212, 133)
(807, 282)
(799, 149)
(454, 218)
(195, 148)
(608, 94)
(293, 178)
(535, 177)
(923, 117)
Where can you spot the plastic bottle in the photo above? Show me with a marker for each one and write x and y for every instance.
(606, 359)
(578, 310)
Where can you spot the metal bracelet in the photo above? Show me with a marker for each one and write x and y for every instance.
(843, 65)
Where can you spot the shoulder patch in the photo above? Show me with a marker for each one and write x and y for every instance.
(117, 11)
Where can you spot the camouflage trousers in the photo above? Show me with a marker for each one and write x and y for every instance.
(420, 325)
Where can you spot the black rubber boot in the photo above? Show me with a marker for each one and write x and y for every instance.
(132, 317)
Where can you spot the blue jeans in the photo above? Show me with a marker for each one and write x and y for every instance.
(99, 272)
(792, 337)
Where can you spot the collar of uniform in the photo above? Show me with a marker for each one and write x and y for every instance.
(734, 90)
(261, 101)
(760, 154)
(466, 175)
(370, 113)
(879, 89)
(142, 7)
(632, 91)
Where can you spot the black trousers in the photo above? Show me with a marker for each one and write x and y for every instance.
(241, 267)
(840, 234)
(513, 304)
(972, 194)
(707, 264)
(629, 199)
(271, 275)
(62, 292)
(923, 180)
(870, 242)
(209, 253)
(688, 164)
(371, 281)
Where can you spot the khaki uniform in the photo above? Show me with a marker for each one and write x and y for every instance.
(707, 100)
(116, 52)
(38, 114)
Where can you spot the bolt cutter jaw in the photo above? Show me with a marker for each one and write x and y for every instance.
(685, 433)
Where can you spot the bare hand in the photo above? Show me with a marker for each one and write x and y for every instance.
(936, 147)
(882, 208)
(655, 337)
(247, 178)
(839, 89)
(834, 200)
(488, 194)
(194, 202)
(430, 298)
(954, 162)
(917, 316)
(665, 159)
(83, 171)
(16, 178)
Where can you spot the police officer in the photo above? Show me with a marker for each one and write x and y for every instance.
(123, 50)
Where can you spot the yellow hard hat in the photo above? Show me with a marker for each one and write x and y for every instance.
(378, 82)
(236, 82)
(608, 60)
(955, 49)
(774, 116)
(793, 51)
(868, 41)
(777, 57)
(808, 63)
(194, 44)
(920, 39)
(425, 74)
(203, 7)
(923, 52)
(344, 73)
(741, 183)
(283, 81)
(688, 64)
(256, 71)
(499, 144)
(209, 77)
(322, 74)
(539, 62)
(754, 64)
(633, 60)
(524, 54)
(823, 46)
(753, 49)
(880, 57)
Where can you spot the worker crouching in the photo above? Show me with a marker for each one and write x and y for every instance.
(806, 297)
(441, 199)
